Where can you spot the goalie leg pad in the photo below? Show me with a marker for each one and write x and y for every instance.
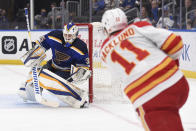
(26, 91)
(63, 89)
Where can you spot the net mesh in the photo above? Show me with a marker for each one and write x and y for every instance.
(105, 89)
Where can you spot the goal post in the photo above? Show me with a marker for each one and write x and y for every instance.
(102, 87)
(86, 34)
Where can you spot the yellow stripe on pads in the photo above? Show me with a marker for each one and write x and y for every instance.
(49, 88)
(29, 80)
(84, 67)
(53, 79)
(37, 42)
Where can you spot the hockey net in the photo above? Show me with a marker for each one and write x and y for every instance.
(102, 87)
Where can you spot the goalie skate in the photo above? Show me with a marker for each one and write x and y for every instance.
(22, 93)
(26, 92)
(85, 101)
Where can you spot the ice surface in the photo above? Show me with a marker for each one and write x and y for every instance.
(15, 115)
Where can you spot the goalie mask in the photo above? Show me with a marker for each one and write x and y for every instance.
(70, 32)
(114, 20)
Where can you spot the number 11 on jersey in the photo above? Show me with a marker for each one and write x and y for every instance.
(128, 66)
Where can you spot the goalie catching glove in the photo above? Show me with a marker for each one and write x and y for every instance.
(34, 56)
(79, 74)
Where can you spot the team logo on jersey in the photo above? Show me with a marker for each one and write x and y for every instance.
(9, 44)
(59, 56)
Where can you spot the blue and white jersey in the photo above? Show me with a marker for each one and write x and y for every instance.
(63, 57)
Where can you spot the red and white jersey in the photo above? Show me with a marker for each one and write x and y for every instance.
(143, 58)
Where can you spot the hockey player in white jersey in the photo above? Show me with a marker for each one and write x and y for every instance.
(145, 58)
(62, 75)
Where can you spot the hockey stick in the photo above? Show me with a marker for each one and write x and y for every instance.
(36, 86)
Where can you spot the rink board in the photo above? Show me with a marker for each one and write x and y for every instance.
(15, 43)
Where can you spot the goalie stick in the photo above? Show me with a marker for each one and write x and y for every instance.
(36, 86)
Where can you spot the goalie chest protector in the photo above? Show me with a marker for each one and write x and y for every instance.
(63, 56)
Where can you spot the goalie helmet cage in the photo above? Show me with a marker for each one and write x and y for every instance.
(101, 89)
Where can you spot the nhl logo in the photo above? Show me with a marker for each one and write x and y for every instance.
(9, 45)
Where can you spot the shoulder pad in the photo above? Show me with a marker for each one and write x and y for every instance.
(56, 33)
(80, 45)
